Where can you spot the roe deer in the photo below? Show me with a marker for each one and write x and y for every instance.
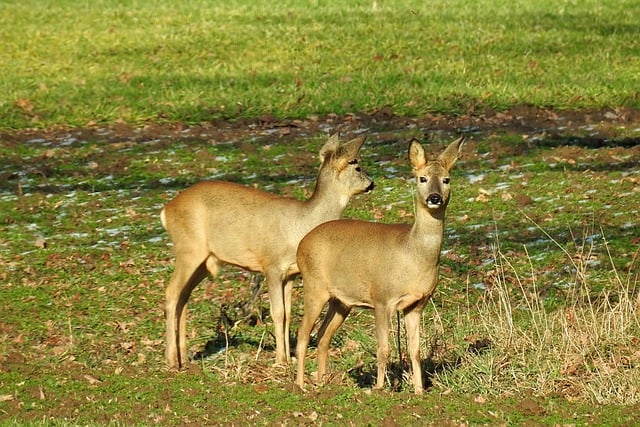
(214, 222)
(387, 267)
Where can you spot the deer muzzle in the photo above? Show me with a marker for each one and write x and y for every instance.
(370, 187)
(434, 201)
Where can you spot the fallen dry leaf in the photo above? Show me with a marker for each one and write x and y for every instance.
(480, 399)
(24, 104)
(483, 195)
(92, 380)
(261, 388)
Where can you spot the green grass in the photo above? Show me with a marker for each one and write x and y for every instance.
(77, 64)
(534, 320)
(537, 263)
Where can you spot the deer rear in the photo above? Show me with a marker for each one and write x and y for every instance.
(216, 222)
(385, 267)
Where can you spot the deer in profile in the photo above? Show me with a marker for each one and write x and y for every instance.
(214, 222)
(385, 267)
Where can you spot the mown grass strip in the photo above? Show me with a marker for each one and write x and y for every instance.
(69, 63)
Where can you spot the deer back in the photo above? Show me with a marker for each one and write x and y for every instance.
(254, 229)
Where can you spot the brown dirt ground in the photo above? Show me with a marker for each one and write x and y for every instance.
(589, 128)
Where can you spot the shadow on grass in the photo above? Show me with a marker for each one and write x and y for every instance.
(222, 343)
(587, 141)
(399, 372)
(233, 315)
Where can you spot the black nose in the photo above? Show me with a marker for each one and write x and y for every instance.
(370, 187)
(434, 199)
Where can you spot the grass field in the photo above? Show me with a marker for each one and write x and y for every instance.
(81, 64)
(535, 317)
(108, 109)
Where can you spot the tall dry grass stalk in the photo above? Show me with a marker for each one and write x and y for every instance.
(585, 348)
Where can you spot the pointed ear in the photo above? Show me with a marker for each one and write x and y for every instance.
(417, 156)
(450, 154)
(330, 147)
(351, 148)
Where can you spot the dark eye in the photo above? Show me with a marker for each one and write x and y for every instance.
(355, 162)
(423, 179)
(446, 180)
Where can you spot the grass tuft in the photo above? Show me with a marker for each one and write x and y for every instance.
(584, 350)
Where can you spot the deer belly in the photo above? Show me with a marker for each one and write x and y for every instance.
(355, 295)
(406, 301)
(244, 259)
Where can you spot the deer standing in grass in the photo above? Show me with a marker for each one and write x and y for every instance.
(386, 267)
(216, 222)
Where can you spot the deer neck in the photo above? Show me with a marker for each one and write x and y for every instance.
(326, 203)
(428, 228)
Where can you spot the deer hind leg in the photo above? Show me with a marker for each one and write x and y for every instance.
(383, 317)
(210, 265)
(186, 275)
(336, 314)
(314, 301)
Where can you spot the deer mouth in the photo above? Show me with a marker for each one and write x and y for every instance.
(370, 187)
(434, 201)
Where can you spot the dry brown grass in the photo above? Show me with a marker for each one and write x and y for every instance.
(586, 349)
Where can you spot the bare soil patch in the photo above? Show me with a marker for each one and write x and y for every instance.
(589, 128)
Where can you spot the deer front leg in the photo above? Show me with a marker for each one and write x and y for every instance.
(383, 318)
(288, 287)
(275, 288)
(412, 320)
